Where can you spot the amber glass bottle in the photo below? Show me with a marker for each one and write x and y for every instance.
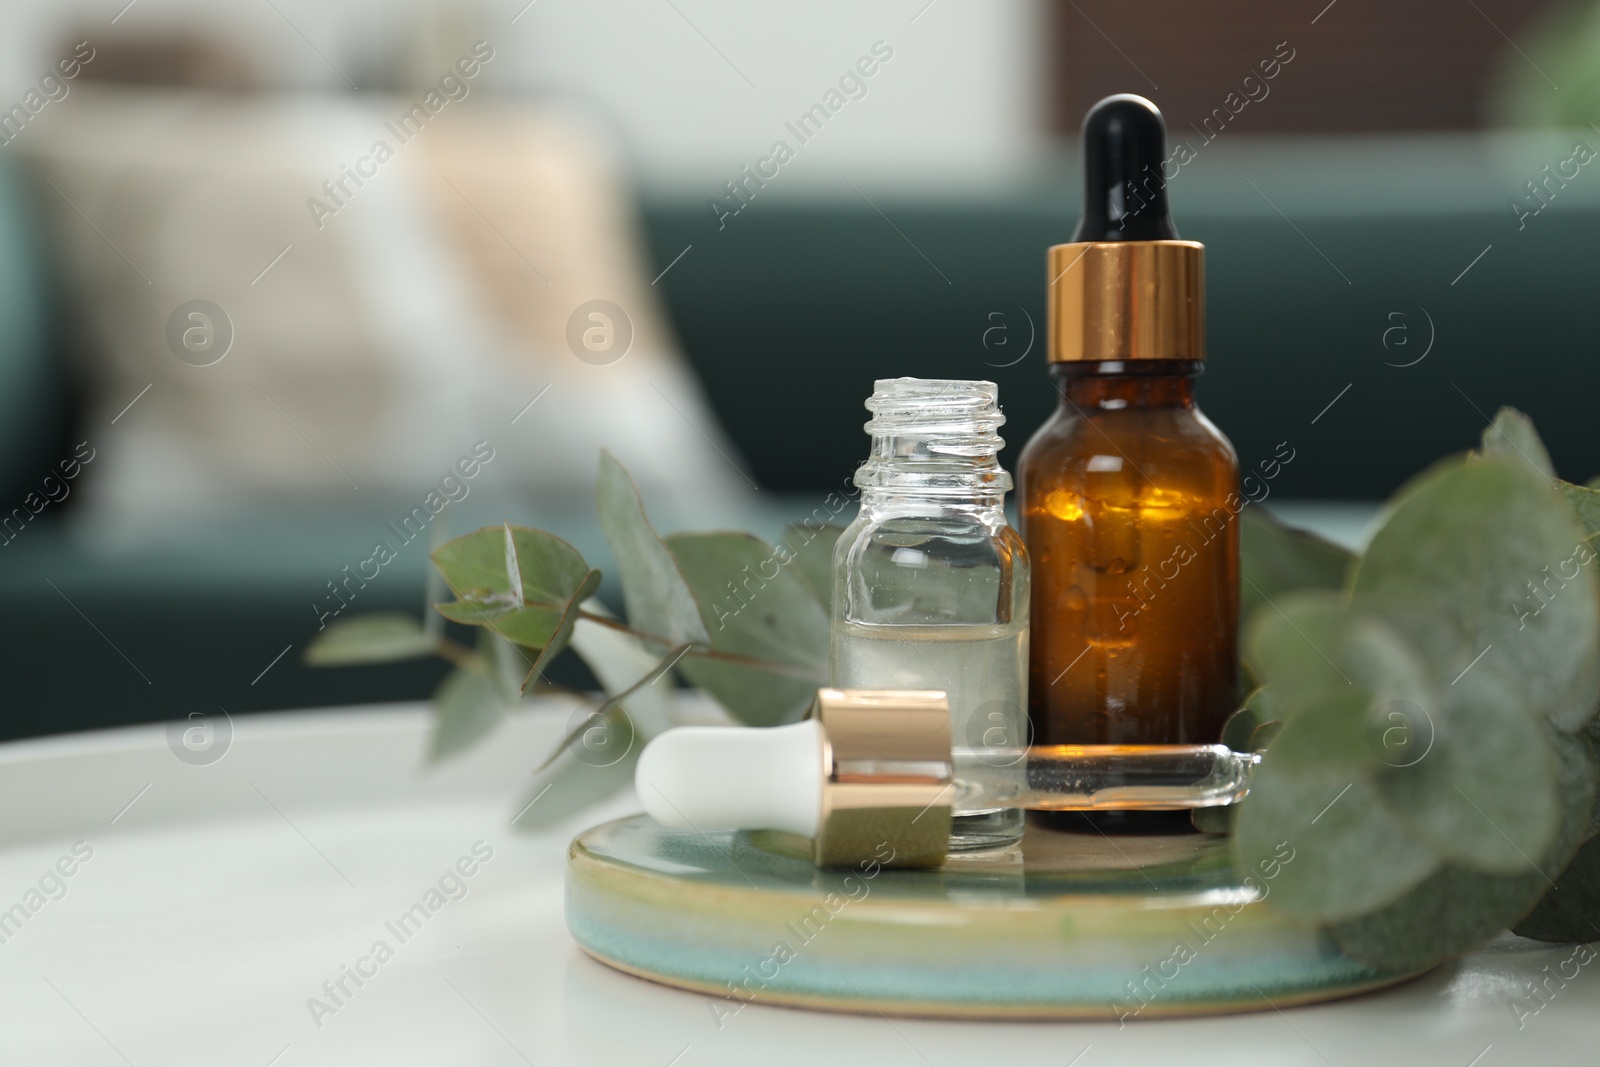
(1129, 495)
(1128, 509)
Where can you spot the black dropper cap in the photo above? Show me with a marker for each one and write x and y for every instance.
(1124, 192)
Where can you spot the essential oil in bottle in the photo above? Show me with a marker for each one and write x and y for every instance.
(931, 582)
(1129, 495)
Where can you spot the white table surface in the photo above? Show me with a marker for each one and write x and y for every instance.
(222, 898)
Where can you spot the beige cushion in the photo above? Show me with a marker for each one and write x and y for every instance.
(419, 318)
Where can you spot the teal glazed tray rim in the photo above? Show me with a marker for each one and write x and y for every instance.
(1066, 927)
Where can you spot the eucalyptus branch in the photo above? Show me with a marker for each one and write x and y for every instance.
(613, 703)
(618, 625)
(700, 650)
(546, 686)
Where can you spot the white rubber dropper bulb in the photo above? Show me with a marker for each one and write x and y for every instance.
(734, 778)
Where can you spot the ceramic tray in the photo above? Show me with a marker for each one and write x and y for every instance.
(1068, 925)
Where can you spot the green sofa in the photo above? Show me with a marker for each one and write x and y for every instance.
(788, 311)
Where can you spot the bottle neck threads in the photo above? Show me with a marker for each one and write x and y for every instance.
(935, 438)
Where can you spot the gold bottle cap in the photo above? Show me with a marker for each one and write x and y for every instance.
(1127, 300)
(887, 773)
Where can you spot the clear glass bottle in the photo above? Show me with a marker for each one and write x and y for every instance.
(931, 582)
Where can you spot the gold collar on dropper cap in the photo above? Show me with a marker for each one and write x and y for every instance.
(886, 777)
(1126, 288)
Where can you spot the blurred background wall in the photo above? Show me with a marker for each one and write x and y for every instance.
(688, 89)
(1397, 201)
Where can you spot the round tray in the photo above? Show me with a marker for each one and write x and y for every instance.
(1067, 925)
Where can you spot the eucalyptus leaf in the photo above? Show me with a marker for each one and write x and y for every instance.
(619, 659)
(466, 706)
(378, 638)
(1590, 740)
(1511, 437)
(1275, 558)
(1578, 785)
(1242, 723)
(552, 573)
(1249, 681)
(751, 694)
(1585, 501)
(1350, 855)
(758, 608)
(1331, 669)
(562, 635)
(600, 736)
(569, 785)
(1570, 911)
(608, 721)
(1456, 909)
(1214, 821)
(813, 551)
(1258, 709)
(476, 563)
(1482, 794)
(507, 664)
(1342, 666)
(1453, 567)
(513, 568)
(578, 775)
(658, 601)
(433, 589)
(479, 611)
(1262, 735)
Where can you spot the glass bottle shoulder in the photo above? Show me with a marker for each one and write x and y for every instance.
(930, 566)
(927, 537)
